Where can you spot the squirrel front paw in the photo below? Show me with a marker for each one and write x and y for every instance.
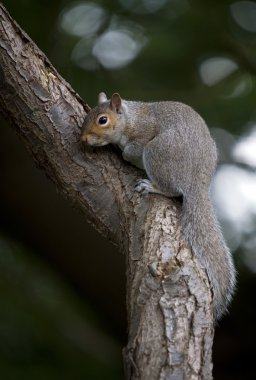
(144, 186)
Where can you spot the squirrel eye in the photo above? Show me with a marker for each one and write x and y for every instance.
(103, 120)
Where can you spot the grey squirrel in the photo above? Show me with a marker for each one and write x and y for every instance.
(172, 143)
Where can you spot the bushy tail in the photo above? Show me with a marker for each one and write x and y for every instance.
(201, 229)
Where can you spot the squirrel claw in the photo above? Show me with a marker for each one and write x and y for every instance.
(144, 186)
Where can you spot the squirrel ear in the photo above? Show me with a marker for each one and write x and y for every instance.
(116, 102)
(102, 98)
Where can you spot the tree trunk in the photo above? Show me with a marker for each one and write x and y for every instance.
(170, 317)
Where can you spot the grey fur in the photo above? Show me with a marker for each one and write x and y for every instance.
(174, 146)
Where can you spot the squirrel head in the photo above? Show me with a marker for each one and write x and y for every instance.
(104, 124)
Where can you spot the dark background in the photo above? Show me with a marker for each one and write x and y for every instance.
(62, 286)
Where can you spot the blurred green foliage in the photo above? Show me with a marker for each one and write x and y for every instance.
(46, 331)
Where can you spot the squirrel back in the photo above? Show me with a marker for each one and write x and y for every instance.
(172, 143)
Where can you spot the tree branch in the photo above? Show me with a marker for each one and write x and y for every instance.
(169, 300)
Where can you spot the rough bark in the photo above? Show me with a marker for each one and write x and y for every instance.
(170, 322)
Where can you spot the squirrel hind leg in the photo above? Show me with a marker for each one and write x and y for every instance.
(145, 186)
